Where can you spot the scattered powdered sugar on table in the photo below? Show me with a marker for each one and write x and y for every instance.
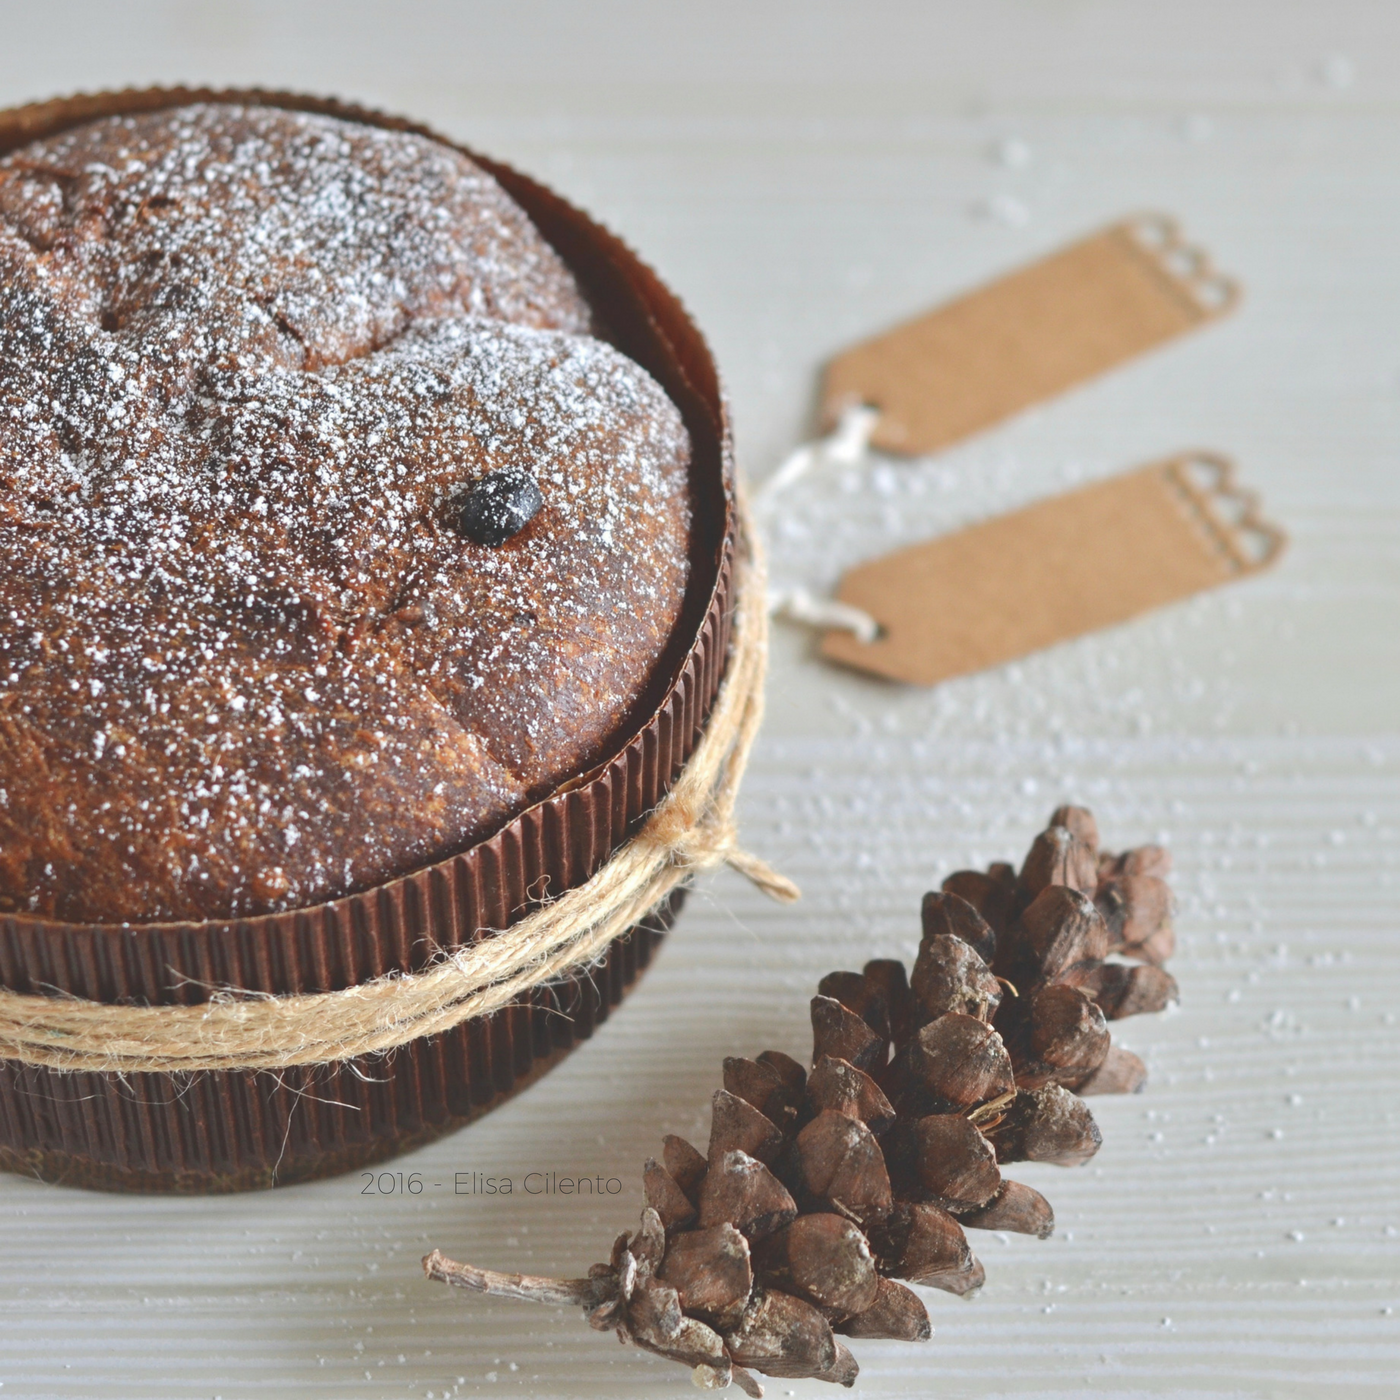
(250, 363)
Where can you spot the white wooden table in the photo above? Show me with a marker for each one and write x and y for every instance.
(804, 174)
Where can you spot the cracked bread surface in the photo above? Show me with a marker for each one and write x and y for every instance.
(251, 361)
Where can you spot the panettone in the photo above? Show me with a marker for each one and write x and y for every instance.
(334, 532)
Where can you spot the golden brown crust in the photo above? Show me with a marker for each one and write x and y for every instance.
(246, 660)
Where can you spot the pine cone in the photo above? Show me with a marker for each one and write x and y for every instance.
(819, 1191)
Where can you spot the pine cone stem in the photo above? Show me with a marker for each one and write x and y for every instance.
(580, 1292)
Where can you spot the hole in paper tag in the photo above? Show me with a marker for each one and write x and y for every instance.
(1056, 569)
(1029, 335)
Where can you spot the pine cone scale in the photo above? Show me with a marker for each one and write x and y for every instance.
(896, 1315)
(711, 1271)
(824, 1260)
(782, 1336)
(736, 1125)
(739, 1190)
(1015, 1208)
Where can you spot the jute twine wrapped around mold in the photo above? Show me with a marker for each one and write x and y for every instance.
(692, 829)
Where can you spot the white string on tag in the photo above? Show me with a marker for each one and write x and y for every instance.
(845, 445)
(800, 605)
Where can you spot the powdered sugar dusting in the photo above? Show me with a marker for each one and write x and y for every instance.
(250, 361)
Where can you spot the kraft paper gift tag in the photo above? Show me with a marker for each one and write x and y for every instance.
(1054, 570)
(1029, 335)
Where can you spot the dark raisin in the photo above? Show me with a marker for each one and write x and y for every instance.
(499, 506)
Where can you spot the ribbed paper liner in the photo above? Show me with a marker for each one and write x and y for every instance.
(231, 1131)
